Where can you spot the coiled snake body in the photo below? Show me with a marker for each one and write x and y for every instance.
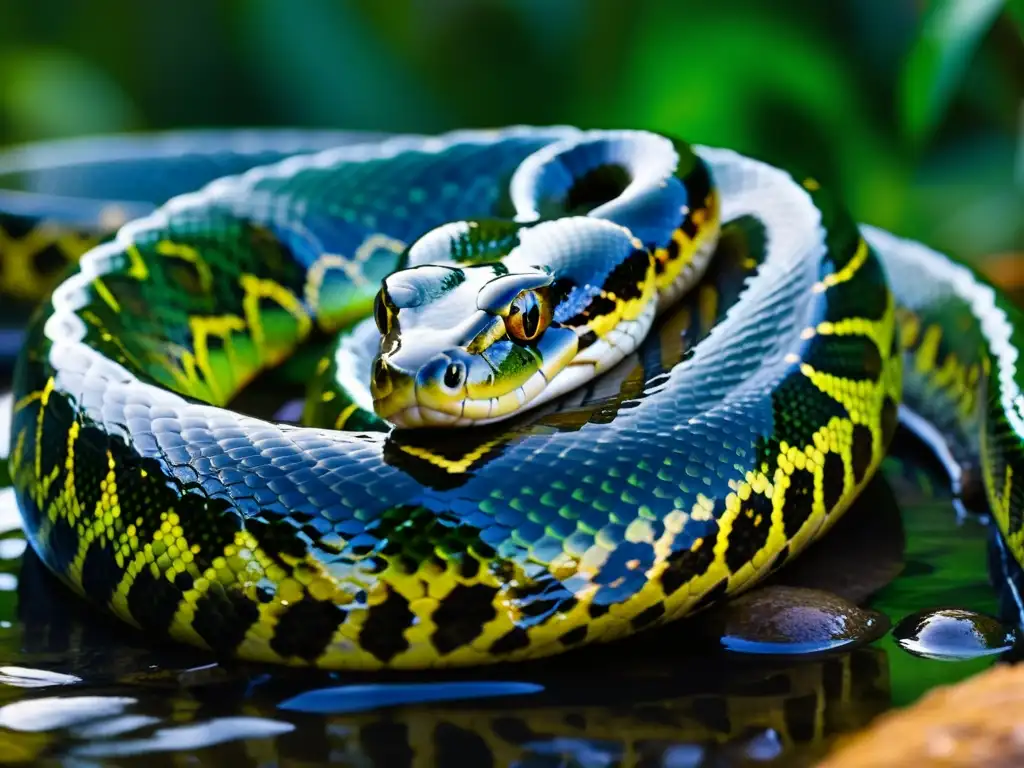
(685, 474)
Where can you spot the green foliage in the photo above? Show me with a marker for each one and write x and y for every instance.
(950, 32)
(912, 107)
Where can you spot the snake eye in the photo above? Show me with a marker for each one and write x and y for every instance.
(528, 316)
(381, 315)
(454, 375)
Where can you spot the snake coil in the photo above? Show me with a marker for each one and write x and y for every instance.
(686, 473)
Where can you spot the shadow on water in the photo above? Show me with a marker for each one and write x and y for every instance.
(79, 689)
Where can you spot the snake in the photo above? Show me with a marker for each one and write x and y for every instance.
(514, 443)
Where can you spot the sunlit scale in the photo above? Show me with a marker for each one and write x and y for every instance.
(404, 548)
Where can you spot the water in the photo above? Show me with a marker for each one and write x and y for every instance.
(78, 689)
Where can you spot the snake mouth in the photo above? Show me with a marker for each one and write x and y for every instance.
(458, 389)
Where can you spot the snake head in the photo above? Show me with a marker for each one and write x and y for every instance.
(485, 339)
(464, 345)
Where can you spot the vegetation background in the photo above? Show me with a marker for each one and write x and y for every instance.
(914, 107)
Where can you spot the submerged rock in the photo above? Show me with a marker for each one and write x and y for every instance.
(952, 634)
(975, 722)
(794, 620)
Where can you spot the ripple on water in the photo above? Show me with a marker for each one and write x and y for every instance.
(952, 634)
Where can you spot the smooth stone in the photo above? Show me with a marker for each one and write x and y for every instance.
(794, 620)
(975, 722)
(952, 634)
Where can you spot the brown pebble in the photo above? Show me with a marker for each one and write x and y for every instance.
(976, 722)
(794, 620)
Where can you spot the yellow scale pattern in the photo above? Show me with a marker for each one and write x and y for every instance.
(20, 277)
(242, 563)
(864, 402)
(169, 552)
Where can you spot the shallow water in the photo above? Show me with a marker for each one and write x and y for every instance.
(78, 689)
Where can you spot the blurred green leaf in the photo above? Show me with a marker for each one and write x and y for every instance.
(52, 93)
(1016, 11)
(950, 32)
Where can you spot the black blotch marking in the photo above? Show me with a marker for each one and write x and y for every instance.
(697, 182)
(387, 743)
(833, 480)
(62, 545)
(712, 596)
(586, 340)
(57, 415)
(780, 558)
(49, 261)
(685, 564)
(184, 275)
(800, 714)
(799, 409)
(627, 278)
(597, 610)
(861, 451)
(713, 712)
(469, 567)
(153, 601)
(515, 639)
(648, 616)
(599, 307)
(513, 730)
(184, 581)
(673, 249)
(799, 501)
(100, 572)
(890, 419)
(223, 617)
(461, 616)
(574, 636)
(17, 226)
(383, 633)
(850, 357)
(750, 529)
(575, 720)
(832, 678)
(305, 629)
(459, 746)
(865, 294)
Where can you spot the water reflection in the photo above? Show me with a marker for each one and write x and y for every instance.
(83, 687)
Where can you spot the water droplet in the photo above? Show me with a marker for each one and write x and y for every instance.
(952, 634)
(794, 620)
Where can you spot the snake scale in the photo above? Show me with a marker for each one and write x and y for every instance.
(499, 269)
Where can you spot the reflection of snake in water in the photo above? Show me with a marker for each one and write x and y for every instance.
(367, 549)
(655, 703)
